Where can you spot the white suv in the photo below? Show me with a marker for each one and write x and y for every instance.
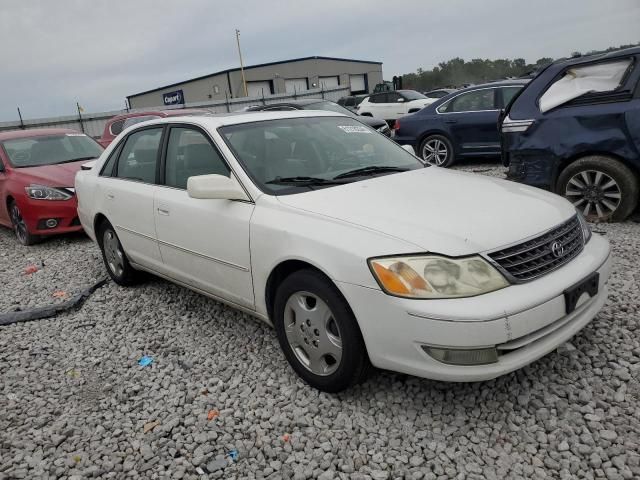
(393, 105)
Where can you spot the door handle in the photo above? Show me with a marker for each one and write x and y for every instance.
(450, 121)
(163, 211)
(110, 196)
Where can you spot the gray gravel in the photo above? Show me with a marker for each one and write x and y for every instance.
(74, 403)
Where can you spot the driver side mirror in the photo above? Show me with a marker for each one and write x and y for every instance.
(215, 187)
(400, 99)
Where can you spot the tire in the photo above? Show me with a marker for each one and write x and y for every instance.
(330, 328)
(604, 189)
(115, 260)
(437, 150)
(20, 227)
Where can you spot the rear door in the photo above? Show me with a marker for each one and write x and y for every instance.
(204, 243)
(472, 120)
(128, 191)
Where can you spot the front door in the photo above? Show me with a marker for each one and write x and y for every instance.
(204, 243)
(472, 119)
(128, 196)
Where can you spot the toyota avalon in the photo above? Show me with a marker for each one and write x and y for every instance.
(335, 235)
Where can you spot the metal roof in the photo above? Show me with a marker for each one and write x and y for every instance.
(229, 70)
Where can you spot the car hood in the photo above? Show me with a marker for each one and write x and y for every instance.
(438, 210)
(61, 175)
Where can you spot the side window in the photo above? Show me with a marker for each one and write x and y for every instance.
(379, 98)
(508, 93)
(189, 154)
(393, 97)
(474, 101)
(350, 102)
(116, 127)
(592, 80)
(107, 169)
(139, 156)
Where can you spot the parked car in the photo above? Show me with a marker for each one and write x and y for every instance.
(37, 169)
(392, 105)
(308, 221)
(117, 124)
(439, 93)
(462, 124)
(575, 130)
(351, 103)
(317, 104)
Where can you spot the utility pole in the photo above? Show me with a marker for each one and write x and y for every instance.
(244, 81)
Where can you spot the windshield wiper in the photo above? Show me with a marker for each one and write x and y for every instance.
(303, 181)
(75, 160)
(371, 170)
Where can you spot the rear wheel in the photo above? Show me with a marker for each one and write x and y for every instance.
(602, 188)
(437, 150)
(20, 226)
(118, 266)
(318, 332)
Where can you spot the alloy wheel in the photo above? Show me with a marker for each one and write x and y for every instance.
(19, 224)
(113, 252)
(313, 333)
(594, 192)
(435, 151)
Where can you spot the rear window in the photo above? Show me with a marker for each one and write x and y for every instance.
(135, 120)
(412, 95)
(604, 77)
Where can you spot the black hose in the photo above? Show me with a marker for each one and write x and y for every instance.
(50, 310)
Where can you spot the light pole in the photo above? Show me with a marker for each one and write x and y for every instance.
(244, 81)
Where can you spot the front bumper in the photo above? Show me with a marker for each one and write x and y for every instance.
(524, 322)
(36, 212)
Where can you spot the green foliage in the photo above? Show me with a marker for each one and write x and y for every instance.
(458, 72)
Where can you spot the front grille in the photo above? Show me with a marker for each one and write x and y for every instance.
(537, 257)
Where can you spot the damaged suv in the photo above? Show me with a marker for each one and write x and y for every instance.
(575, 130)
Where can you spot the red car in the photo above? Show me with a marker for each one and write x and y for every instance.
(121, 122)
(37, 172)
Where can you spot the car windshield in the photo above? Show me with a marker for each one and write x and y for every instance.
(329, 107)
(297, 154)
(412, 95)
(50, 149)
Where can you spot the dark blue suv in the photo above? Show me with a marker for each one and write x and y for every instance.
(462, 124)
(575, 130)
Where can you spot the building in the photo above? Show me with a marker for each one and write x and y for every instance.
(287, 76)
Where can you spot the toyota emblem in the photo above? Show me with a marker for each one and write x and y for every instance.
(557, 249)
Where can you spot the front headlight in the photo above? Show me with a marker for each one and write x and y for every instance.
(433, 276)
(41, 192)
(586, 229)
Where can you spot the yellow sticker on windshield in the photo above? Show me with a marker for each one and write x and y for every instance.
(354, 129)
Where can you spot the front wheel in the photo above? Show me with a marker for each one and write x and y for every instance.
(603, 188)
(318, 332)
(20, 226)
(437, 150)
(118, 266)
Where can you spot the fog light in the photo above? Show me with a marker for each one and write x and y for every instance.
(51, 223)
(457, 356)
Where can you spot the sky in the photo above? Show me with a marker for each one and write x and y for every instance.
(54, 53)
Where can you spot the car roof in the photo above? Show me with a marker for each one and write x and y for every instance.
(214, 121)
(160, 113)
(625, 52)
(36, 132)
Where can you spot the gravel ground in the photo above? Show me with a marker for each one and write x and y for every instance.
(74, 403)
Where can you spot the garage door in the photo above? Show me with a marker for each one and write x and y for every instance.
(255, 89)
(329, 82)
(357, 83)
(292, 85)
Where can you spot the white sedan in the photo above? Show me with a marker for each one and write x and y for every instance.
(354, 250)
